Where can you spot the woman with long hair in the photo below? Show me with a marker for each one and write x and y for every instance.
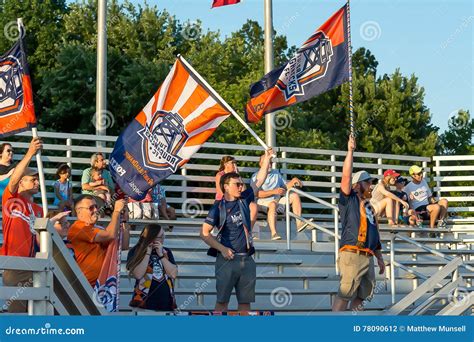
(154, 268)
(384, 201)
(6, 165)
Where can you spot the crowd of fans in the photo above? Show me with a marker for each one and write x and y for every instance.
(233, 215)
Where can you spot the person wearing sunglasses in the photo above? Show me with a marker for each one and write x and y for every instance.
(18, 218)
(90, 241)
(6, 165)
(233, 246)
(421, 199)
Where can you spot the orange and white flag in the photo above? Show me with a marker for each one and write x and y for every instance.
(178, 119)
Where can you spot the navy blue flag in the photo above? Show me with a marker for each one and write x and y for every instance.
(321, 64)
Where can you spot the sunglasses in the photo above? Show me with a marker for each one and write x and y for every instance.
(239, 185)
(9, 151)
(91, 208)
(418, 174)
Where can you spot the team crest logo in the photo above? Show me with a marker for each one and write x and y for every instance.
(163, 138)
(309, 64)
(11, 88)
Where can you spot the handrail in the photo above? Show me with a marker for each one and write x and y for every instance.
(393, 237)
(320, 201)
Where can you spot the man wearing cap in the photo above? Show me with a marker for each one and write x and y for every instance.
(19, 213)
(360, 238)
(421, 199)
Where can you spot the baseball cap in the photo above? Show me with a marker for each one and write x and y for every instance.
(401, 180)
(391, 172)
(30, 172)
(361, 176)
(415, 169)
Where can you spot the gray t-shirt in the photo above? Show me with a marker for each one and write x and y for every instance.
(418, 194)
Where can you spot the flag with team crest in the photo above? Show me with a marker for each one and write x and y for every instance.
(17, 113)
(321, 64)
(178, 119)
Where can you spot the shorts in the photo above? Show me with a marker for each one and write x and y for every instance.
(357, 276)
(19, 279)
(239, 273)
(422, 211)
(264, 202)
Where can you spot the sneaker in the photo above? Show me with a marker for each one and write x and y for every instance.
(303, 225)
(276, 237)
(442, 223)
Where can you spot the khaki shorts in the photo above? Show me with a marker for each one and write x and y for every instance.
(357, 276)
(20, 280)
(264, 202)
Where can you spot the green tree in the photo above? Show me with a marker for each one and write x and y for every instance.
(458, 137)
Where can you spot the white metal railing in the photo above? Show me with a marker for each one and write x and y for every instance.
(289, 215)
(321, 169)
(393, 237)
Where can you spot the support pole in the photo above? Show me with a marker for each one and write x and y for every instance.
(101, 82)
(349, 54)
(270, 135)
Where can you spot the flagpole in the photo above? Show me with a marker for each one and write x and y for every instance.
(224, 103)
(349, 52)
(270, 135)
(101, 83)
(39, 162)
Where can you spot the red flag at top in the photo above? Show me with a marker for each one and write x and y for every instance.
(219, 3)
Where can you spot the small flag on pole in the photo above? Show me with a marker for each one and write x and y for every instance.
(219, 3)
(319, 65)
(17, 112)
(107, 285)
(179, 118)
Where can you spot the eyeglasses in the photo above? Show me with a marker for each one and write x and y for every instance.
(91, 208)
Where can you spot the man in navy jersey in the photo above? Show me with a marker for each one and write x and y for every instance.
(235, 267)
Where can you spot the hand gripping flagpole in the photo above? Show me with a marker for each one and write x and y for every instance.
(349, 53)
(225, 104)
(39, 162)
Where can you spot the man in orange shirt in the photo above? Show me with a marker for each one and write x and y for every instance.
(19, 213)
(90, 241)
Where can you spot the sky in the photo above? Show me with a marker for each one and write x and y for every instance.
(432, 39)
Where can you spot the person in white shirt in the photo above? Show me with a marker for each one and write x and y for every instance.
(421, 199)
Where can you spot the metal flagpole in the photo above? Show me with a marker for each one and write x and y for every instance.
(39, 162)
(224, 103)
(349, 53)
(270, 135)
(101, 83)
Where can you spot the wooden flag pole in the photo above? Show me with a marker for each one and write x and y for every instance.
(39, 162)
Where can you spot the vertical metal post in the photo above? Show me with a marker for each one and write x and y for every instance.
(288, 221)
(69, 152)
(270, 136)
(284, 165)
(336, 214)
(101, 82)
(438, 182)
(380, 169)
(184, 184)
(425, 165)
(392, 267)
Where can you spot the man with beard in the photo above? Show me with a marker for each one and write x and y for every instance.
(360, 238)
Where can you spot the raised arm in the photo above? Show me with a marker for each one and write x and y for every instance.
(346, 181)
(263, 172)
(111, 231)
(35, 145)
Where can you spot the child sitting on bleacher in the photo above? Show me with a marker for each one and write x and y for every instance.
(407, 216)
(101, 190)
(63, 188)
